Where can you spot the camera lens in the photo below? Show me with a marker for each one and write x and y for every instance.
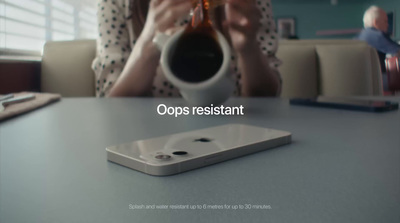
(163, 157)
(180, 153)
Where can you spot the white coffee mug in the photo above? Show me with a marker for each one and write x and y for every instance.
(214, 90)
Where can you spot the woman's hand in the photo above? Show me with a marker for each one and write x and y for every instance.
(138, 74)
(242, 25)
(242, 22)
(162, 16)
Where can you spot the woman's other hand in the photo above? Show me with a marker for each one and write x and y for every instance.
(243, 19)
(242, 22)
(162, 16)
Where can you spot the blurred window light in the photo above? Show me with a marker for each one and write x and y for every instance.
(25, 25)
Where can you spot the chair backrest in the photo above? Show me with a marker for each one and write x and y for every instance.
(310, 68)
(393, 73)
(66, 68)
(330, 68)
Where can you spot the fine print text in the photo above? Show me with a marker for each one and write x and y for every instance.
(200, 207)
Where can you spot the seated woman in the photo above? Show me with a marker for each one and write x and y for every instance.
(127, 62)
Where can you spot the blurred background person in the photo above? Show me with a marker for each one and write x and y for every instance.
(375, 34)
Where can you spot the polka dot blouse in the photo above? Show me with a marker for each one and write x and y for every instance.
(116, 40)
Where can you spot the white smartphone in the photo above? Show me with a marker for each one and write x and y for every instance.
(181, 152)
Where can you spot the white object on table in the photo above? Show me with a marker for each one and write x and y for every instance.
(15, 100)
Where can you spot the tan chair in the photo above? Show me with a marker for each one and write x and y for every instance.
(66, 68)
(310, 68)
(330, 68)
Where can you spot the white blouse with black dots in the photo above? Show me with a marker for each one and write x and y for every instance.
(116, 40)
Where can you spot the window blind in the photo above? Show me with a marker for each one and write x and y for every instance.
(25, 25)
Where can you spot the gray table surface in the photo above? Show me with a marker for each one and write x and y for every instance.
(342, 166)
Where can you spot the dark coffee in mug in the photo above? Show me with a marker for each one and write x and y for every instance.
(198, 55)
(196, 58)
